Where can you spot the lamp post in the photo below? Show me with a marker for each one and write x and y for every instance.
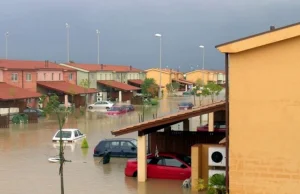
(159, 36)
(98, 39)
(202, 47)
(6, 44)
(68, 42)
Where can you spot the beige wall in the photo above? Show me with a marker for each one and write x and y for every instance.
(205, 76)
(265, 119)
(166, 76)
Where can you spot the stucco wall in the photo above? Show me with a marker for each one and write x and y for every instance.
(265, 119)
(49, 75)
(165, 77)
(21, 81)
(205, 76)
(1, 76)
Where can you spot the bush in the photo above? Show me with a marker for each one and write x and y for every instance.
(84, 143)
(154, 101)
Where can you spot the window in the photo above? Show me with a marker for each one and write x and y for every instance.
(44, 76)
(65, 134)
(126, 144)
(28, 76)
(79, 133)
(134, 142)
(14, 77)
(52, 76)
(71, 76)
(173, 162)
(115, 144)
(105, 77)
(109, 76)
(59, 76)
(156, 161)
(100, 76)
(76, 134)
(29, 100)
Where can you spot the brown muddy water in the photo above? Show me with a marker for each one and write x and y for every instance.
(25, 149)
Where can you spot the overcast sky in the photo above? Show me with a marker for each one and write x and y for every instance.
(37, 29)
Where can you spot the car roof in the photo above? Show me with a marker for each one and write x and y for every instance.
(112, 139)
(174, 154)
(69, 129)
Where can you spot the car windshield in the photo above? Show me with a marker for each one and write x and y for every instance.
(185, 159)
(65, 134)
(184, 104)
(134, 142)
(114, 108)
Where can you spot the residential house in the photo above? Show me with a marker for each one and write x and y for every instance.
(264, 121)
(34, 76)
(111, 80)
(167, 76)
(216, 76)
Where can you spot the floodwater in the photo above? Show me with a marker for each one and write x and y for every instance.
(24, 151)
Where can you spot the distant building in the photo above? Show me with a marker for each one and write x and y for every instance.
(216, 76)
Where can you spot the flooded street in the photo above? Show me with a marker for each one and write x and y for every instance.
(24, 153)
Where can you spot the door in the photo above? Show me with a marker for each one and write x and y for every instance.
(156, 168)
(175, 169)
(127, 149)
(115, 148)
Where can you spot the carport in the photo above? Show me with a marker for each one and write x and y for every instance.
(165, 122)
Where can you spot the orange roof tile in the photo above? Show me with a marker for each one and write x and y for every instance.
(117, 85)
(65, 87)
(136, 81)
(105, 67)
(183, 81)
(31, 65)
(10, 92)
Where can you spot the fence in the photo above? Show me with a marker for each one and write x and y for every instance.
(4, 121)
(32, 117)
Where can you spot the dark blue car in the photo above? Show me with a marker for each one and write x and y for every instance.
(118, 147)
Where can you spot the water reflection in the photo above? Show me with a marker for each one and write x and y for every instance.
(25, 149)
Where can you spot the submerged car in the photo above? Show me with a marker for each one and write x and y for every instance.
(101, 105)
(218, 126)
(39, 112)
(185, 105)
(68, 135)
(116, 110)
(128, 108)
(119, 147)
(165, 166)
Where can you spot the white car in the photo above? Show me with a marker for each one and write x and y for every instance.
(68, 135)
(101, 104)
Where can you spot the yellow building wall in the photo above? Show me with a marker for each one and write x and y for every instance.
(203, 75)
(264, 100)
(165, 77)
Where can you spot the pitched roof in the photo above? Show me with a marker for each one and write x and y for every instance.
(10, 92)
(136, 81)
(118, 85)
(168, 120)
(260, 39)
(65, 87)
(30, 65)
(164, 70)
(183, 81)
(105, 67)
(207, 71)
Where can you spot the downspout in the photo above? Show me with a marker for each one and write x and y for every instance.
(227, 119)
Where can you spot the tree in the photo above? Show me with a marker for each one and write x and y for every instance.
(212, 89)
(85, 83)
(198, 90)
(61, 114)
(149, 87)
(172, 87)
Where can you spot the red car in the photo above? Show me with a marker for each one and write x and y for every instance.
(185, 105)
(165, 166)
(219, 126)
(116, 110)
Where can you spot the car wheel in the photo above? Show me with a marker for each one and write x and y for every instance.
(107, 108)
(135, 174)
(90, 107)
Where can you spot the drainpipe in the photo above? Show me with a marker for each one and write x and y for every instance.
(227, 120)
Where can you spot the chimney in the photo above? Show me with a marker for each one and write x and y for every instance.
(101, 66)
(272, 28)
(130, 67)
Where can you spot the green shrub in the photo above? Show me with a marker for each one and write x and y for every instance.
(154, 101)
(84, 143)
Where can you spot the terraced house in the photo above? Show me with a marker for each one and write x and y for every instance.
(35, 78)
(112, 81)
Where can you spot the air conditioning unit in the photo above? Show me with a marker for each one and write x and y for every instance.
(99, 94)
(213, 172)
(99, 99)
(217, 156)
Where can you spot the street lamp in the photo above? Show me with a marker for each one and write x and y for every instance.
(202, 47)
(159, 36)
(98, 37)
(6, 44)
(68, 42)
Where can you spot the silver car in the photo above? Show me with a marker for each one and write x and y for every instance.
(101, 105)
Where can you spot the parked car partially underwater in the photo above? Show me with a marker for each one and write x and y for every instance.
(68, 135)
(119, 147)
(219, 126)
(101, 105)
(128, 108)
(163, 166)
(39, 112)
(116, 110)
(185, 105)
